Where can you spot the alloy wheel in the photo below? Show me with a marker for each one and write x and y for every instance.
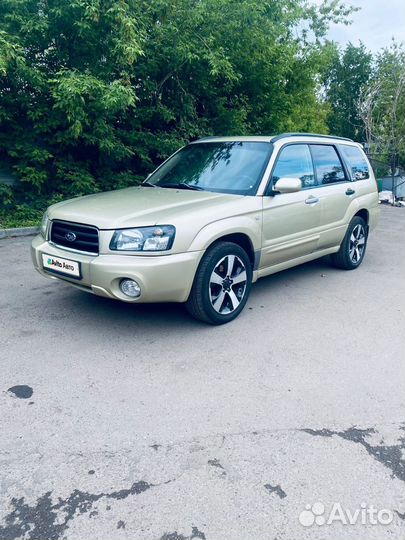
(227, 285)
(357, 244)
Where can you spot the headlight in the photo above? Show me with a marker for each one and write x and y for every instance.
(44, 225)
(158, 238)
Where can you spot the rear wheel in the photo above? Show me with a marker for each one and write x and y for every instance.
(222, 284)
(353, 247)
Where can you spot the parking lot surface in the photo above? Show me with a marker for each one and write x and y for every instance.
(134, 422)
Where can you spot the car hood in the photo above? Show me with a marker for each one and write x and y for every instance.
(141, 206)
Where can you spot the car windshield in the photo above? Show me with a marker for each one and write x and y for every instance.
(225, 167)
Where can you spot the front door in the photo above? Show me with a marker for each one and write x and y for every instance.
(291, 221)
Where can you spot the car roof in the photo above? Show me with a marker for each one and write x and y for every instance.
(274, 138)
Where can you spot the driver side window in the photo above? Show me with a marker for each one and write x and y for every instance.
(294, 161)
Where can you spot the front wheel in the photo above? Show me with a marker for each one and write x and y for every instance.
(222, 284)
(353, 247)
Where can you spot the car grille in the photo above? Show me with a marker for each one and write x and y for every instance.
(75, 236)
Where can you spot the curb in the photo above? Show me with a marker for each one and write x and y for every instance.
(19, 231)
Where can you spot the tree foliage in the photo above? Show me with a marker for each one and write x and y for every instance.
(94, 93)
(382, 106)
(348, 72)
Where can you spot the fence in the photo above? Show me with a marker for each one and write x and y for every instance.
(395, 183)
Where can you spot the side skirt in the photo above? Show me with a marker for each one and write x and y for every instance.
(295, 262)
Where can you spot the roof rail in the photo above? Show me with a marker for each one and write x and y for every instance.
(285, 135)
(207, 138)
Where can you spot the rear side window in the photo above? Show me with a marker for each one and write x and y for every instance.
(294, 161)
(328, 167)
(358, 166)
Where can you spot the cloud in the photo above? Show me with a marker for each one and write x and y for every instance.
(377, 22)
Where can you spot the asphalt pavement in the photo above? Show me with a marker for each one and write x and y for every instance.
(134, 422)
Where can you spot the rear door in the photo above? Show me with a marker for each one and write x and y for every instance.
(291, 220)
(337, 193)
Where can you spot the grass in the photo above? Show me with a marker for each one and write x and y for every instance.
(20, 217)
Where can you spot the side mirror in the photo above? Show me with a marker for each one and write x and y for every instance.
(288, 185)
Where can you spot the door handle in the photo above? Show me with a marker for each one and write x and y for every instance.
(350, 191)
(312, 200)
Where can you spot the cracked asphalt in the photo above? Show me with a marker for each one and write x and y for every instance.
(137, 422)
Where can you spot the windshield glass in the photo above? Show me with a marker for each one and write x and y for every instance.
(225, 167)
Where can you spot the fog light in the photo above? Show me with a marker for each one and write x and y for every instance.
(130, 288)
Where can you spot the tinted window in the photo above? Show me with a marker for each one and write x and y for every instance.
(328, 166)
(294, 161)
(357, 163)
(225, 167)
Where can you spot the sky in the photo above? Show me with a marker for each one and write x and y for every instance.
(375, 24)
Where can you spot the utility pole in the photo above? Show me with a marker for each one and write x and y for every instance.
(393, 169)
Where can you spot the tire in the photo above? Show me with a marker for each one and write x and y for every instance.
(221, 285)
(353, 247)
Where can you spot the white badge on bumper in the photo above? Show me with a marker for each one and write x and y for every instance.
(61, 266)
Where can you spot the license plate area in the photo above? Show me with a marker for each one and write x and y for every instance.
(61, 266)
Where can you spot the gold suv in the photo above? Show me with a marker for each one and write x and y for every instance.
(212, 219)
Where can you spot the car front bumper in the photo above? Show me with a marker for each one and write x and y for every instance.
(162, 278)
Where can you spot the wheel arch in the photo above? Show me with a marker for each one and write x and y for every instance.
(364, 214)
(245, 231)
(242, 240)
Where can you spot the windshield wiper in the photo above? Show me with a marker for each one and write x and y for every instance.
(147, 184)
(181, 185)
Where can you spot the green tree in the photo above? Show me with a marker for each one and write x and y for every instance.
(64, 87)
(347, 74)
(94, 93)
(382, 106)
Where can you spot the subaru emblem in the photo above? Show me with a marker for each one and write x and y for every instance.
(70, 236)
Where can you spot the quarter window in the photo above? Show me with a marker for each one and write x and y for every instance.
(356, 161)
(294, 161)
(328, 166)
